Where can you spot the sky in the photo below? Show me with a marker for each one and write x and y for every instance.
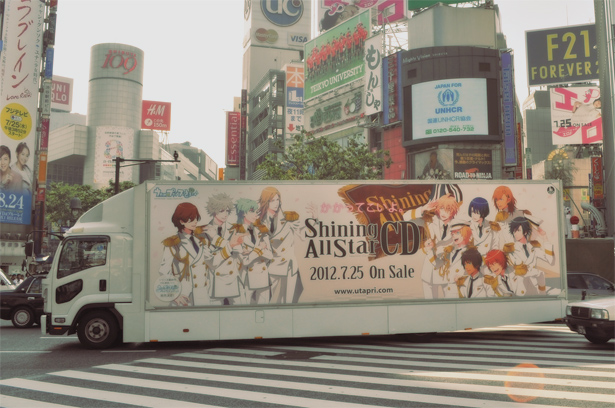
(193, 52)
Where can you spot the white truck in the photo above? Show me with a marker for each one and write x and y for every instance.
(179, 261)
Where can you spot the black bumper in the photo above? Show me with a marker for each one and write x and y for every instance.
(601, 327)
(55, 330)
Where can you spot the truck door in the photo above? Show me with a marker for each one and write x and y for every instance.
(82, 276)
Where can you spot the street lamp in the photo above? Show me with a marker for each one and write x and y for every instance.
(118, 160)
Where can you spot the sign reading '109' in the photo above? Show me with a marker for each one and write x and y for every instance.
(561, 55)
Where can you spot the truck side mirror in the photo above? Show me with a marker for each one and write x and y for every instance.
(29, 248)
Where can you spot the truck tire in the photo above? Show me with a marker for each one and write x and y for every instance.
(98, 330)
(597, 338)
(23, 317)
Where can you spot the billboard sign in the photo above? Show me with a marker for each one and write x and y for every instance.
(62, 94)
(392, 101)
(336, 112)
(508, 100)
(576, 115)
(473, 164)
(342, 243)
(434, 165)
(373, 75)
(449, 107)
(294, 99)
(561, 55)
(20, 67)
(277, 23)
(336, 57)
(334, 12)
(597, 178)
(233, 134)
(419, 4)
(112, 142)
(156, 115)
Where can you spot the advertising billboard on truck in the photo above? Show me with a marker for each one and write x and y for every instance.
(278, 244)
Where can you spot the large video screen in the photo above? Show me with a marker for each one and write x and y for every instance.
(449, 107)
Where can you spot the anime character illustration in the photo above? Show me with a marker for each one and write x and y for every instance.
(223, 246)
(256, 253)
(461, 234)
(433, 279)
(438, 216)
(184, 255)
(497, 281)
(471, 285)
(484, 232)
(524, 254)
(284, 227)
(506, 204)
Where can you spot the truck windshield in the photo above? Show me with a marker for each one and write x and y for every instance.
(82, 253)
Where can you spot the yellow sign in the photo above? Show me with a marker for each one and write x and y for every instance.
(16, 121)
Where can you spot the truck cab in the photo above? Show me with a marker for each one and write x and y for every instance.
(91, 272)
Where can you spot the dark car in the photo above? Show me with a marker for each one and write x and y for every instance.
(24, 305)
(593, 285)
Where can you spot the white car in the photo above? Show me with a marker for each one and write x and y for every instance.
(5, 282)
(595, 319)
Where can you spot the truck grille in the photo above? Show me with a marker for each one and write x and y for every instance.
(581, 312)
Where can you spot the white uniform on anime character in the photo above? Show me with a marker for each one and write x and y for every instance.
(438, 228)
(453, 268)
(256, 255)
(485, 236)
(184, 258)
(523, 255)
(224, 264)
(499, 285)
(472, 287)
(283, 269)
(432, 274)
(528, 279)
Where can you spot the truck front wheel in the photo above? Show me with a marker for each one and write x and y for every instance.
(98, 330)
(597, 338)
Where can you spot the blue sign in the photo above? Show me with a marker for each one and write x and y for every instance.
(49, 63)
(15, 206)
(282, 13)
(508, 95)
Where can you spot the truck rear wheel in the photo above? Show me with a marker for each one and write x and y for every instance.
(98, 330)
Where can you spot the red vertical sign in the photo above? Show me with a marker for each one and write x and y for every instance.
(519, 168)
(597, 179)
(233, 129)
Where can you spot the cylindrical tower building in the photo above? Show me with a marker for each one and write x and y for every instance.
(114, 112)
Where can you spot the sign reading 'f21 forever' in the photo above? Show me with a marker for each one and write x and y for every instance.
(561, 55)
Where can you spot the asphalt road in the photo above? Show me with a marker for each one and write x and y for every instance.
(542, 365)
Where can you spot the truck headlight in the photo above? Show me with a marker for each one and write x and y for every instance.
(568, 310)
(600, 314)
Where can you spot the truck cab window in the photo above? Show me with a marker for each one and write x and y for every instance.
(80, 254)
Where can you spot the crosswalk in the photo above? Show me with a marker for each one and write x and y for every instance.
(512, 366)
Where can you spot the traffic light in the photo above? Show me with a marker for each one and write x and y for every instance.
(29, 248)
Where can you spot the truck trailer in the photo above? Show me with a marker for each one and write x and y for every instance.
(195, 261)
